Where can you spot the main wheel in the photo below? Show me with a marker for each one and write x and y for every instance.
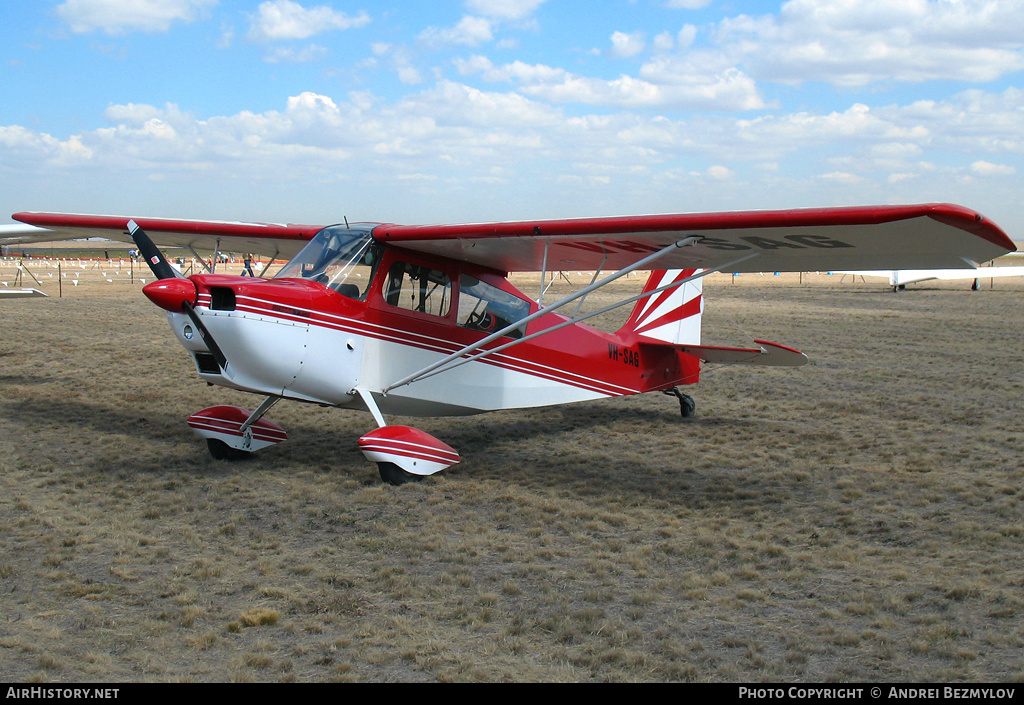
(222, 451)
(394, 475)
(687, 406)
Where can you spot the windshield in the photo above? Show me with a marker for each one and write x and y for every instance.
(340, 256)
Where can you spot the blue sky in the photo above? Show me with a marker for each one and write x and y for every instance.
(471, 110)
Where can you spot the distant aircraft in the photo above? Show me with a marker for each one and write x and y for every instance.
(899, 278)
(19, 293)
(423, 320)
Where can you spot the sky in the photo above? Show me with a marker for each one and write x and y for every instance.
(487, 110)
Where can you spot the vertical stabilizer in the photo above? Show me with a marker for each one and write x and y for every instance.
(672, 315)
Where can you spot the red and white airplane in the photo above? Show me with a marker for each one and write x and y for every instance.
(423, 321)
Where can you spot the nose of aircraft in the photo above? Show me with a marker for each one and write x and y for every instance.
(171, 294)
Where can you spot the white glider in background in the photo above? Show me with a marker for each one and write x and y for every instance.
(19, 293)
(21, 234)
(17, 233)
(899, 278)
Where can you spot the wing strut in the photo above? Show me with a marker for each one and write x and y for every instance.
(544, 273)
(521, 323)
(593, 279)
(450, 364)
(268, 266)
(211, 268)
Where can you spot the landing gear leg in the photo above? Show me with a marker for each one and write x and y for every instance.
(687, 406)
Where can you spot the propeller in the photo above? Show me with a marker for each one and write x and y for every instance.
(163, 271)
(154, 258)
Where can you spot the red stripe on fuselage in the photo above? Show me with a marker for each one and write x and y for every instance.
(292, 312)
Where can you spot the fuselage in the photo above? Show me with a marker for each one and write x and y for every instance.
(320, 335)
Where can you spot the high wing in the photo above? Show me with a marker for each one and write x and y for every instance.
(899, 277)
(268, 239)
(932, 236)
(870, 237)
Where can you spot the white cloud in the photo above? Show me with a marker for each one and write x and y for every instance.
(504, 9)
(509, 148)
(457, 120)
(470, 31)
(858, 42)
(19, 143)
(675, 88)
(131, 114)
(451, 103)
(687, 4)
(983, 168)
(664, 41)
(626, 45)
(517, 71)
(686, 36)
(284, 19)
(730, 91)
(841, 177)
(117, 17)
(400, 59)
(289, 55)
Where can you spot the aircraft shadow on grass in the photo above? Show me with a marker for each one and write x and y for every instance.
(525, 443)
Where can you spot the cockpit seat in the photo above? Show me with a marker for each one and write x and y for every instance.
(349, 290)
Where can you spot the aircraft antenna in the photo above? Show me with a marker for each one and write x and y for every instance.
(347, 226)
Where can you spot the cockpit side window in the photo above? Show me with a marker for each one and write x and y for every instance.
(487, 308)
(418, 288)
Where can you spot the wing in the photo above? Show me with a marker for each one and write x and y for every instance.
(876, 237)
(269, 239)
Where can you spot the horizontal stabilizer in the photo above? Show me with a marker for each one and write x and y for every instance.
(771, 354)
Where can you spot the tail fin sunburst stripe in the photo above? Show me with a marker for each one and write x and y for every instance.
(672, 315)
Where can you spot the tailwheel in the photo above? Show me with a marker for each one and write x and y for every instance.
(687, 405)
(222, 451)
(394, 475)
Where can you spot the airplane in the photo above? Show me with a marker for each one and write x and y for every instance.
(20, 293)
(10, 231)
(899, 278)
(423, 320)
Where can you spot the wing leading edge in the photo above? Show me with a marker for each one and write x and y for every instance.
(876, 237)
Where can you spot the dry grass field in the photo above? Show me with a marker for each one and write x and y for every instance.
(856, 519)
